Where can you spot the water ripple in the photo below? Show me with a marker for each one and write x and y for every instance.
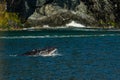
(54, 36)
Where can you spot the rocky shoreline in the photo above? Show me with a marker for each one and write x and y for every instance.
(37, 28)
(92, 13)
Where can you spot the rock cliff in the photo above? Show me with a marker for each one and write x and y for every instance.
(97, 13)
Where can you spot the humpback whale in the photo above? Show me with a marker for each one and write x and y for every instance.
(41, 52)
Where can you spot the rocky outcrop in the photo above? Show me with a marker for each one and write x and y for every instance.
(100, 13)
(106, 12)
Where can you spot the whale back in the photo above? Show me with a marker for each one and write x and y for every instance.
(44, 51)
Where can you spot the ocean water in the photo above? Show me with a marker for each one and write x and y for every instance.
(83, 54)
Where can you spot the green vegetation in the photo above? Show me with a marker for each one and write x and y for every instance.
(109, 24)
(8, 20)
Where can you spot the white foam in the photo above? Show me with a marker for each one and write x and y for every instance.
(51, 55)
(46, 26)
(13, 55)
(53, 36)
(74, 24)
(31, 28)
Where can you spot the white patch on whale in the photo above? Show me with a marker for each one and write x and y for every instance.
(42, 52)
(52, 53)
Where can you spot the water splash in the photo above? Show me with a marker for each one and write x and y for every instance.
(74, 24)
(52, 55)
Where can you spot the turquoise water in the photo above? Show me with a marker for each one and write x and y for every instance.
(82, 55)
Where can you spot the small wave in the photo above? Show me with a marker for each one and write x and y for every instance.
(54, 36)
(51, 55)
(23, 37)
(13, 55)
